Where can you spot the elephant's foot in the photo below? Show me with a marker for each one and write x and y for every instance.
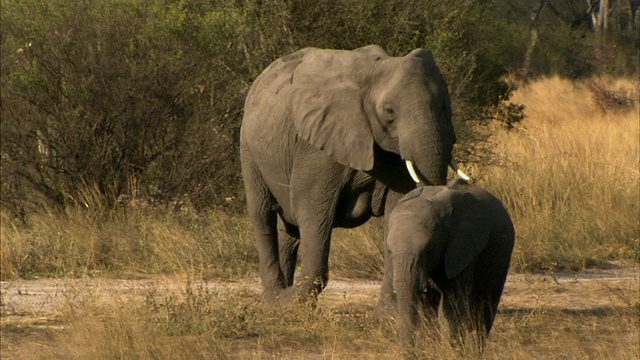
(382, 311)
(306, 292)
(301, 293)
(287, 296)
(274, 296)
(270, 298)
(288, 299)
(386, 304)
(282, 296)
(302, 296)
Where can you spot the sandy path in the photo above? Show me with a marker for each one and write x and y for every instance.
(589, 289)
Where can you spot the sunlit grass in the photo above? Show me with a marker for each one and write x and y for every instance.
(572, 179)
(128, 242)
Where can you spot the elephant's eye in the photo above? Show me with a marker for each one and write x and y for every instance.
(391, 114)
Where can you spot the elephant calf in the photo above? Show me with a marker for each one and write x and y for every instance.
(452, 245)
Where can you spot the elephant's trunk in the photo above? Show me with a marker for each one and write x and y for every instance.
(429, 149)
(405, 284)
(430, 166)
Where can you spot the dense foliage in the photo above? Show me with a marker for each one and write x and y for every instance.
(116, 100)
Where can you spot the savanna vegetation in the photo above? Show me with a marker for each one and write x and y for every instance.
(141, 100)
(119, 159)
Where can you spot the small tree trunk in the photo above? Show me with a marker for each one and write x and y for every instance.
(533, 40)
(591, 10)
(634, 5)
(603, 15)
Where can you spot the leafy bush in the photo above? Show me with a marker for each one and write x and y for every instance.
(128, 97)
(143, 99)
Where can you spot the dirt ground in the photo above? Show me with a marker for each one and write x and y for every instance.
(31, 304)
(589, 289)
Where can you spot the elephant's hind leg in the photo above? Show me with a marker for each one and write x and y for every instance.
(262, 210)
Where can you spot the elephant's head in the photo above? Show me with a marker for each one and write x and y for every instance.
(344, 102)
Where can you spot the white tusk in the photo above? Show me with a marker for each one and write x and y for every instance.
(412, 171)
(459, 172)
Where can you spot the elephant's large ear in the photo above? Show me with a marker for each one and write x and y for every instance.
(468, 235)
(328, 113)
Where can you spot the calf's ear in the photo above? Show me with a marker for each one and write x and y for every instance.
(468, 235)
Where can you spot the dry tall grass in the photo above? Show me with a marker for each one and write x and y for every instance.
(127, 242)
(572, 177)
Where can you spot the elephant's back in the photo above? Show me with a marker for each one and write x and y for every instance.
(500, 219)
(266, 110)
(266, 126)
(496, 206)
(272, 80)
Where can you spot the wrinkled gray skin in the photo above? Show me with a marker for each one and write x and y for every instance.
(323, 139)
(450, 249)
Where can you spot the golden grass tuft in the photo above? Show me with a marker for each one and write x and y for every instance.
(571, 180)
(127, 242)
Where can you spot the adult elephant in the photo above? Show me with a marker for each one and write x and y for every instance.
(451, 244)
(324, 142)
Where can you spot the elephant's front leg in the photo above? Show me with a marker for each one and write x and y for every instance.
(315, 240)
(451, 315)
(316, 184)
(387, 300)
(267, 245)
(289, 242)
(315, 245)
(262, 214)
(430, 301)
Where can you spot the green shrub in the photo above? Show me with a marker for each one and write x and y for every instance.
(143, 99)
(128, 97)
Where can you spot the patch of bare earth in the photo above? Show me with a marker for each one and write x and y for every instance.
(31, 310)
